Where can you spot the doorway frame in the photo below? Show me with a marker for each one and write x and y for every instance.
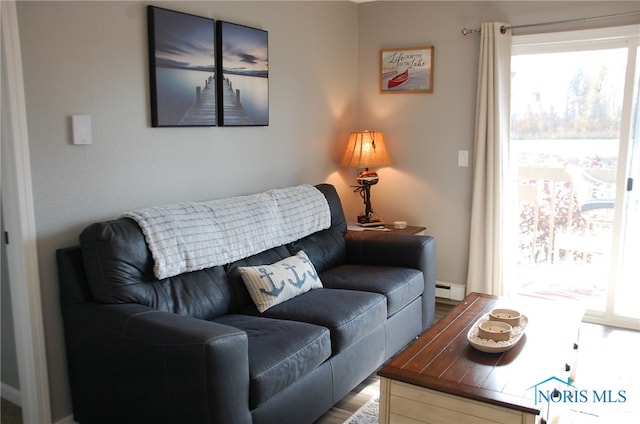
(18, 208)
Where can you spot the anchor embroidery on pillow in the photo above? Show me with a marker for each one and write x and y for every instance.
(270, 285)
(298, 282)
(312, 271)
(275, 291)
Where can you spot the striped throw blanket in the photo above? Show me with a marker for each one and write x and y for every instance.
(197, 235)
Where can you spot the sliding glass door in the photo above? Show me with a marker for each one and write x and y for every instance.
(623, 296)
(573, 115)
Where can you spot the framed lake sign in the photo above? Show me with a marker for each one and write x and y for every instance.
(406, 70)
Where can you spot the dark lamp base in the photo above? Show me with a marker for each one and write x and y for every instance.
(365, 221)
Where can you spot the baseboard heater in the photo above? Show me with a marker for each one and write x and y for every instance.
(450, 290)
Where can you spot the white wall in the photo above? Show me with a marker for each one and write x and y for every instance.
(91, 58)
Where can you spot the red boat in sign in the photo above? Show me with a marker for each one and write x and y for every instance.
(398, 79)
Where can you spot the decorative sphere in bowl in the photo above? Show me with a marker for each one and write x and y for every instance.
(494, 330)
(509, 316)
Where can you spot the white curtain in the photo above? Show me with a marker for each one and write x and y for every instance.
(487, 245)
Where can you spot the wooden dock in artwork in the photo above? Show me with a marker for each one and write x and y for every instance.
(203, 110)
(234, 113)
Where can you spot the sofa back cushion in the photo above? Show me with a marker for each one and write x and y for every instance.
(119, 269)
(326, 249)
(338, 222)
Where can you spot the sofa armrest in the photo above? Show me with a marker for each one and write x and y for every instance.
(383, 249)
(179, 369)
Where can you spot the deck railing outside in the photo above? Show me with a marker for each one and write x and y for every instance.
(565, 229)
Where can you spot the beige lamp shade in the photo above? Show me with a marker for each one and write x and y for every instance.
(366, 149)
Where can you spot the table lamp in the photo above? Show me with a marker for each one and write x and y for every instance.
(366, 149)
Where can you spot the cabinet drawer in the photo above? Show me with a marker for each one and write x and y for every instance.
(412, 404)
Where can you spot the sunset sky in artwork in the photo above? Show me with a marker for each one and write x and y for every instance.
(244, 48)
(184, 41)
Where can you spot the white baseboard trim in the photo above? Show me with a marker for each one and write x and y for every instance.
(11, 394)
(450, 290)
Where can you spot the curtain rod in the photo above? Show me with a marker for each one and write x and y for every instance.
(503, 29)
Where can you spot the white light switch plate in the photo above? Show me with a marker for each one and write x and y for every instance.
(463, 158)
(81, 125)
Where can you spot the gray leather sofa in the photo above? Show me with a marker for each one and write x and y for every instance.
(193, 348)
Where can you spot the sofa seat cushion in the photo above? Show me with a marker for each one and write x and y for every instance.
(399, 285)
(280, 352)
(349, 315)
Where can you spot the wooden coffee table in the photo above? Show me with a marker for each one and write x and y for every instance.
(441, 378)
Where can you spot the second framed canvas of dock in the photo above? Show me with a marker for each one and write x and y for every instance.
(243, 85)
(406, 70)
(182, 69)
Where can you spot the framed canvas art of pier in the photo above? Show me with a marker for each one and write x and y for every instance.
(182, 68)
(406, 70)
(243, 80)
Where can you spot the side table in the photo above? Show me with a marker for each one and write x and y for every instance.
(388, 228)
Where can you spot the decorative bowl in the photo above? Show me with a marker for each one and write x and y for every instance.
(494, 330)
(491, 346)
(509, 316)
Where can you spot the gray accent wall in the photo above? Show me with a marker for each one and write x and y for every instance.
(424, 132)
(90, 58)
